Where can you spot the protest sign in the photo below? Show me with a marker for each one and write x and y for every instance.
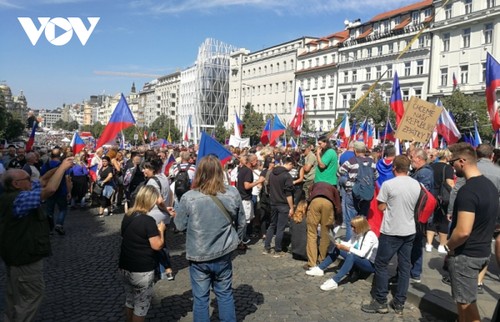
(419, 120)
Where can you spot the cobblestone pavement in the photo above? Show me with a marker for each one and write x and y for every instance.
(82, 283)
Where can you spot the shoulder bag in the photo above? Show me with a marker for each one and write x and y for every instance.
(224, 210)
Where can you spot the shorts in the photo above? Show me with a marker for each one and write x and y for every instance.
(248, 208)
(439, 226)
(138, 290)
(464, 271)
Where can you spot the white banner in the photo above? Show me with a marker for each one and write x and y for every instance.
(239, 142)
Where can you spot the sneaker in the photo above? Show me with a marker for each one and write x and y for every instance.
(398, 308)
(279, 254)
(428, 248)
(316, 271)
(441, 250)
(306, 267)
(415, 279)
(60, 230)
(480, 289)
(375, 307)
(446, 280)
(246, 241)
(267, 251)
(169, 276)
(329, 285)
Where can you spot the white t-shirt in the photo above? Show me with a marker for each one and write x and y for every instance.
(400, 194)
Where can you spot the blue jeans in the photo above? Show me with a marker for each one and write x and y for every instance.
(350, 261)
(417, 255)
(218, 274)
(62, 206)
(388, 246)
(349, 213)
(279, 219)
(164, 260)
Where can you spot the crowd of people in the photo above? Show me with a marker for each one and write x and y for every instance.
(354, 203)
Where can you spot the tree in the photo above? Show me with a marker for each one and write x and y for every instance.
(466, 109)
(97, 129)
(162, 125)
(373, 107)
(253, 124)
(72, 126)
(221, 133)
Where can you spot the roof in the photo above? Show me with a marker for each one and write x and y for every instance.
(402, 24)
(395, 12)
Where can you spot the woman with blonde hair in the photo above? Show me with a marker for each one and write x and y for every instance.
(141, 239)
(208, 212)
(359, 253)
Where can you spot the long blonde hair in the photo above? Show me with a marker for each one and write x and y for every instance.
(300, 212)
(145, 200)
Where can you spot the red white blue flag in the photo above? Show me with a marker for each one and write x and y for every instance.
(121, 119)
(78, 143)
(238, 126)
(189, 128)
(296, 123)
(31, 139)
(446, 127)
(397, 100)
(388, 133)
(492, 83)
(343, 132)
(455, 82)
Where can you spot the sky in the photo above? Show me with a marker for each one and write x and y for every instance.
(143, 38)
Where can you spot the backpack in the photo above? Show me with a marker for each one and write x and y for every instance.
(444, 192)
(364, 184)
(182, 183)
(134, 193)
(425, 206)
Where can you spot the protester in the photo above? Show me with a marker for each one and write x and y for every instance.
(208, 212)
(310, 164)
(106, 182)
(326, 170)
(141, 238)
(79, 175)
(25, 238)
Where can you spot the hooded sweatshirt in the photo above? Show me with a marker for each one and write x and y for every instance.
(281, 186)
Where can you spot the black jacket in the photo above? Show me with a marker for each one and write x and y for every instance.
(281, 186)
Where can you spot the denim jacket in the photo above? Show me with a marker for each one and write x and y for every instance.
(209, 235)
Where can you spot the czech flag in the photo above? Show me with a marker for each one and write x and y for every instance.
(492, 83)
(189, 128)
(209, 145)
(78, 144)
(446, 127)
(121, 119)
(238, 126)
(477, 137)
(352, 135)
(397, 100)
(170, 163)
(455, 82)
(296, 123)
(434, 140)
(272, 132)
(343, 132)
(31, 139)
(293, 144)
(388, 133)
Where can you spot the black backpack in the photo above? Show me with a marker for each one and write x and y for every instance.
(182, 183)
(134, 193)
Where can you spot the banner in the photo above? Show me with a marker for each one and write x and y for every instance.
(239, 142)
(419, 120)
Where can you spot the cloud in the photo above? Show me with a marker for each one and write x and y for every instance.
(8, 4)
(296, 7)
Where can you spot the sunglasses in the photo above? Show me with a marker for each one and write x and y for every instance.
(452, 162)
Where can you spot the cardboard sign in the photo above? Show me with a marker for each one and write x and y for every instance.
(419, 120)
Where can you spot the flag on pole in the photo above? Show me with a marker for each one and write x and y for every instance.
(170, 162)
(455, 82)
(477, 137)
(238, 126)
(293, 144)
(31, 139)
(492, 83)
(189, 128)
(434, 140)
(352, 135)
(209, 145)
(446, 127)
(296, 123)
(264, 137)
(78, 143)
(388, 133)
(121, 119)
(122, 140)
(343, 132)
(397, 100)
(272, 131)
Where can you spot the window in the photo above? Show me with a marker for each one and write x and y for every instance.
(406, 94)
(379, 50)
(464, 74)
(270, 88)
(447, 11)
(488, 32)
(423, 41)
(344, 101)
(346, 77)
(468, 6)
(490, 3)
(420, 67)
(368, 73)
(332, 80)
(317, 61)
(314, 83)
(378, 71)
(309, 63)
(483, 74)
(466, 38)
(283, 87)
(354, 76)
(407, 69)
(389, 71)
(315, 102)
(444, 76)
(415, 18)
(428, 12)
(418, 92)
(369, 52)
(446, 42)
(303, 64)
(276, 88)
(264, 88)
(386, 26)
(391, 48)
(330, 102)
(323, 82)
(325, 60)
(322, 103)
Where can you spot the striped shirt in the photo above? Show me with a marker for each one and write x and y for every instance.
(350, 169)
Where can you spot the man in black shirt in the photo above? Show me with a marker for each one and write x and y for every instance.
(473, 223)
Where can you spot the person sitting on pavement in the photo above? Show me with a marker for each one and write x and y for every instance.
(358, 253)
(298, 231)
(141, 239)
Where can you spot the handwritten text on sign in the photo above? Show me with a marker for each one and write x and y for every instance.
(419, 120)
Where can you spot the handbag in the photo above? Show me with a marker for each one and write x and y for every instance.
(97, 189)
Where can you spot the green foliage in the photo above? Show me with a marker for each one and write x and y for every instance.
(10, 127)
(161, 126)
(373, 107)
(221, 133)
(254, 123)
(469, 108)
(97, 129)
(67, 126)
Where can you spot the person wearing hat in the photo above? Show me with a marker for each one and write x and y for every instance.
(349, 170)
